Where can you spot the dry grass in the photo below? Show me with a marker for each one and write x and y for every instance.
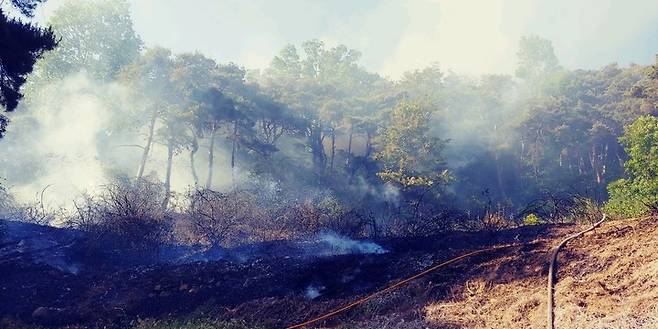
(608, 279)
(491, 306)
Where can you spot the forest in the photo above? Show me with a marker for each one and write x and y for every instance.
(140, 147)
(431, 150)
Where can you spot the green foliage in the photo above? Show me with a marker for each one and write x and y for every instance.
(640, 141)
(536, 57)
(315, 118)
(631, 198)
(21, 44)
(95, 36)
(410, 156)
(531, 219)
(638, 193)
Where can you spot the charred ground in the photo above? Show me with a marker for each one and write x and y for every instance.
(281, 288)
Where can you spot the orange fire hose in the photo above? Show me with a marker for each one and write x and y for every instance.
(403, 282)
(455, 259)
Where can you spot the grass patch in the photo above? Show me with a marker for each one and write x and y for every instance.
(194, 324)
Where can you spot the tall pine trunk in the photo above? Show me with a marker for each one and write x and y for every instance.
(317, 148)
(233, 147)
(596, 166)
(147, 147)
(368, 144)
(193, 150)
(235, 137)
(499, 175)
(349, 145)
(211, 156)
(333, 149)
(167, 182)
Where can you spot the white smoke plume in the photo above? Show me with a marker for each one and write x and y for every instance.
(73, 135)
(57, 135)
(340, 245)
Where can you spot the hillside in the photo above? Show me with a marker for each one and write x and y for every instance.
(607, 279)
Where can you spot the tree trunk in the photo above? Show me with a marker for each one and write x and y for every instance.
(195, 148)
(349, 146)
(595, 166)
(333, 149)
(147, 147)
(211, 156)
(233, 147)
(167, 182)
(368, 144)
(317, 148)
(235, 137)
(499, 176)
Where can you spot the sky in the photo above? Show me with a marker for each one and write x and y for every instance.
(466, 36)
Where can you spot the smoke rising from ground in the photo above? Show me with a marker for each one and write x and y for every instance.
(340, 245)
(73, 136)
(58, 134)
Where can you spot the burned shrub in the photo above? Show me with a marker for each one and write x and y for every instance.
(354, 224)
(291, 218)
(302, 218)
(220, 218)
(562, 208)
(125, 218)
(495, 220)
(251, 215)
(7, 203)
(35, 212)
(427, 225)
(227, 219)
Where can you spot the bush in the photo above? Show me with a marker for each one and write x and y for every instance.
(223, 218)
(561, 208)
(35, 212)
(7, 203)
(531, 219)
(126, 216)
(631, 199)
(637, 194)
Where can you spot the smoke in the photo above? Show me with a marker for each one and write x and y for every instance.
(330, 243)
(313, 292)
(73, 135)
(385, 192)
(57, 135)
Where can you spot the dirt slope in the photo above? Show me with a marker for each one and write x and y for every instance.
(607, 279)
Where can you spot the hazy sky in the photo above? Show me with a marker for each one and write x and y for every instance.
(467, 36)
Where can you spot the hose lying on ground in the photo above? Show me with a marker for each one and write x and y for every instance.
(551, 270)
(403, 282)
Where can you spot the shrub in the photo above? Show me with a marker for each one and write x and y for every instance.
(251, 215)
(7, 203)
(637, 194)
(126, 216)
(631, 199)
(223, 218)
(561, 208)
(35, 212)
(531, 219)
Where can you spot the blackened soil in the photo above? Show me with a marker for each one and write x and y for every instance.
(271, 291)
